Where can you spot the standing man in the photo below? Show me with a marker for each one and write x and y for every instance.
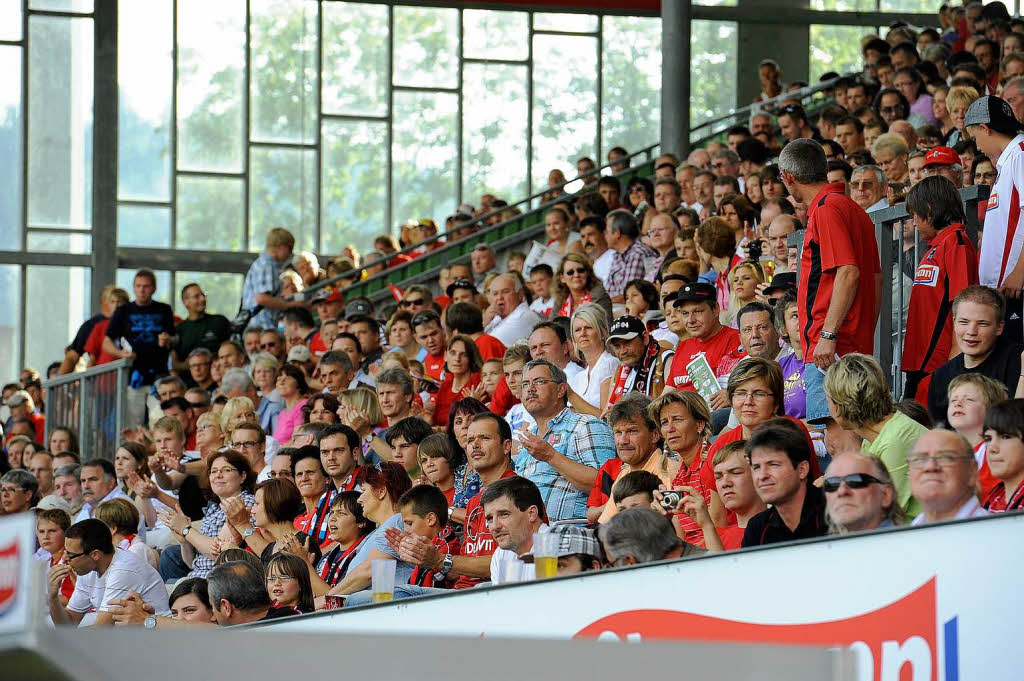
(840, 276)
(200, 330)
(622, 232)
(262, 286)
(142, 330)
(997, 132)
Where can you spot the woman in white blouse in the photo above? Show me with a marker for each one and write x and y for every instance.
(589, 331)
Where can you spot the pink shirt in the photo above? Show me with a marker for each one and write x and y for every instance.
(287, 421)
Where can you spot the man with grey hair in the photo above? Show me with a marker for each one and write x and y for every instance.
(512, 318)
(236, 382)
(562, 453)
(868, 185)
(944, 477)
(169, 387)
(18, 490)
(622, 232)
(639, 535)
(726, 162)
(1013, 93)
(859, 494)
(840, 276)
(395, 393)
(67, 484)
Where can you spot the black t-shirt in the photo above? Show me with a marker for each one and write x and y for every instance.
(78, 344)
(209, 331)
(1002, 365)
(767, 527)
(141, 326)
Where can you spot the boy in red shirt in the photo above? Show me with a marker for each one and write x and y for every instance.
(424, 510)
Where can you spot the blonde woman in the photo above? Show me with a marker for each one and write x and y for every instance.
(743, 282)
(958, 99)
(241, 410)
(209, 434)
(264, 374)
(588, 388)
(360, 410)
(291, 283)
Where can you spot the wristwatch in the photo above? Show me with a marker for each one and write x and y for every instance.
(446, 566)
(248, 533)
(150, 622)
(828, 335)
(188, 528)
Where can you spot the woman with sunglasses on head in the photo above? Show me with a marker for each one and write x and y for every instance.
(640, 190)
(577, 284)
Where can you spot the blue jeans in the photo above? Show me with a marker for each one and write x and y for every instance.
(814, 384)
(172, 567)
(401, 591)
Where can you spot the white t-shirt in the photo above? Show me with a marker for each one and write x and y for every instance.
(571, 369)
(1004, 234)
(126, 573)
(88, 509)
(542, 306)
(587, 383)
(603, 265)
(516, 326)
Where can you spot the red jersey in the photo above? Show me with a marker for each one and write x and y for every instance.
(701, 477)
(838, 233)
(476, 538)
(736, 434)
(996, 501)
(723, 352)
(316, 345)
(490, 347)
(601, 492)
(446, 396)
(986, 481)
(949, 266)
(731, 536)
(434, 365)
(94, 344)
(443, 301)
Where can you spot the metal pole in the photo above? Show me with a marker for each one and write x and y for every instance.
(104, 137)
(675, 77)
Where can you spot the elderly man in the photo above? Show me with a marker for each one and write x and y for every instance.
(779, 230)
(1013, 93)
(662, 237)
(868, 185)
(513, 319)
(758, 335)
(563, 451)
(945, 162)
(548, 341)
(944, 477)
(67, 484)
(395, 393)
(639, 535)
(623, 236)
(859, 494)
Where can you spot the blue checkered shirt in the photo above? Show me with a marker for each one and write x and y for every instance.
(582, 438)
(213, 520)
(263, 277)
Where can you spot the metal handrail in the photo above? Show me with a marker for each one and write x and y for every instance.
(93, 404)
(125, 363)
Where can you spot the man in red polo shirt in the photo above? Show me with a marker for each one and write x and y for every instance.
(840, 277)
(949, 266)
(720, 345)
(426, 326)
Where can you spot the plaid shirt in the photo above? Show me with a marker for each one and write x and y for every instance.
(213, 520)
(582, 438)
(262, 277)
(627, 266)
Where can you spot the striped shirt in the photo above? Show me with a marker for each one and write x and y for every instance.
(316, 526)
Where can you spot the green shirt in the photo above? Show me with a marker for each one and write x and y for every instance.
(891, 446)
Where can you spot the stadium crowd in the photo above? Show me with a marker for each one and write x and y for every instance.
(679, 380)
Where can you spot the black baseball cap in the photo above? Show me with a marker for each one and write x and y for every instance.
(461, 283)
(994, 112)
(358, 308)
(627, 327)
(697, 292)
(783, 281)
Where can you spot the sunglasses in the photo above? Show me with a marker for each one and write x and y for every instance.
(409, 303)
(570, 273)
(853, 481)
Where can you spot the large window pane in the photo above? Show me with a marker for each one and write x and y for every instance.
(60, 298)
(836, 48)
(845, 5)
(144, 226)
(426, 47)
(62, 5)
(355, 59)
(487, 34)
(211, 71)
(282, 192)
(424, 156)
(284, 80)
(60, 121)
(223, 291)
(631, 83)
(10, 19)
(210, 213)
(575, 23)
(10, 316)
(354, 184)
(713, 69)
(498, 111)
(49, 241)
(145, 80)
(564, 103)
(10, 148)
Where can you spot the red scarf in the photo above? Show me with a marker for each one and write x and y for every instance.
(567, 306)
(643, 373)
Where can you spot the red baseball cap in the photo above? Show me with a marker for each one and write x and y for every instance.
(941, 156)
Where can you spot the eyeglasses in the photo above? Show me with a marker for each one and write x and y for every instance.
(248, 444)
(284, 579)
(758, 395)
(71, 555)
(537, 382)
(853, 481)
(11, 490)
(214, 472)
(267, 346)
(943, 459)
(891, 109)
(572, 273)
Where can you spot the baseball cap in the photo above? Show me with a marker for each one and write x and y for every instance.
(783, 281)
(627, 327)
(697, 292)
(327, 295)
(463, 284)
(358, 308)
(994, 112)
(53, 502)
(941, 156)
(300, 353)
(572, 539)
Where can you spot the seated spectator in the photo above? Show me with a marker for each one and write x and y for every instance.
(978, 319)
(238, 594)
(51, 526)
(320, 408)
(347, 528)
(424, 511)
(122, 517)
(404, 438)
(99, 484)
(780, 463)
(970, 398)
(758, 334)
(623, 236)
(293, 389)
(1004, 437)
(437, 464)
(339, 449)
(360, 410)
(288, 584)
(861, 404)
(562, 453)
(466, 319)
(578, 550)
(40, 464)
(512, 317)
(190, 602)
(944, 478)
(276, 504)
(461, 378)
(636, 488)
(720, 345)
(736, 489)
(639, 535)
(18, 490)
(589, 329)
(105, 573)
(859, 495)
(430, 335)
(24, 407)
(550, 341)
(644, 362)
(67, 484)
(514, 511)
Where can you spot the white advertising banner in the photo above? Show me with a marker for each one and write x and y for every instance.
(17, 544)
(922, 604)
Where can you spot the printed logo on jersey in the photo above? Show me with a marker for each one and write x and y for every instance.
(926, 275)
(993, 201)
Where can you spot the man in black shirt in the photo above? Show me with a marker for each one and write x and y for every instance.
(147, 327)
(780, 462)
(978, 314)
(200, 330)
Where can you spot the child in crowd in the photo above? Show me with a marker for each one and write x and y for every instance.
(424, 510)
